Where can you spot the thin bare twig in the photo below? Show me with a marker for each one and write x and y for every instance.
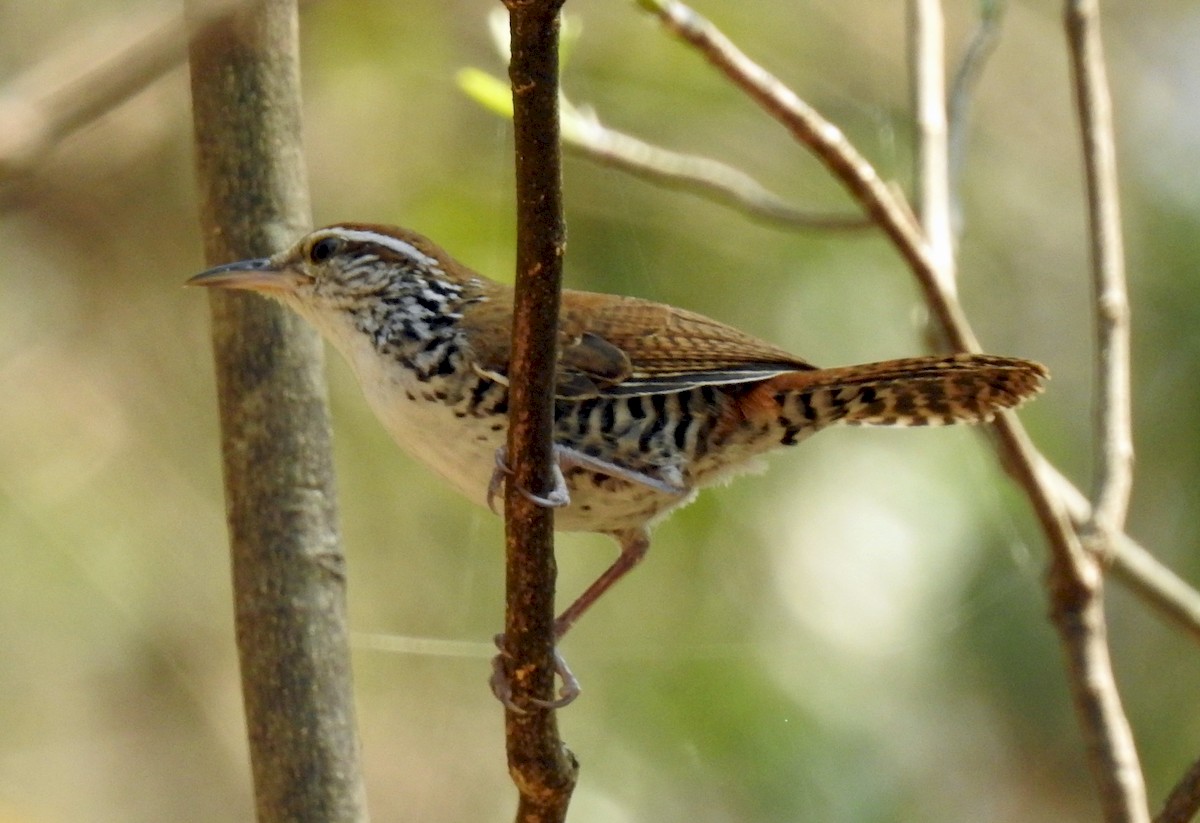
(583, 133)
(829, 145)
(1122, 784)
(979, 49)
(928, 69)
(1076, 594)
(540, 764)
(1074, 579)
(1114, 438)
(1108, 737)
(1155, 584)
(700, 175)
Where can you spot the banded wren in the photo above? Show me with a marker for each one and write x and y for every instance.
(652, 402)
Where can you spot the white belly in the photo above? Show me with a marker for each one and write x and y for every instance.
(428, 430)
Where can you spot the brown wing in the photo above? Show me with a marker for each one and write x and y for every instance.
(621, 345)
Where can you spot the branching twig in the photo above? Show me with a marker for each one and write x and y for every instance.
(1123, 788)
(830, 146)
(583, 133)
(541, 766)
(1028, 464)
(1074, 575)
(1075, 590)
(1132, 564)
(892, 214)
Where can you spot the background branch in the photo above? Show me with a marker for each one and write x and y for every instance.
(1141, 571)
(1115, 759)
(1114, 437)
(53, 99)
(1074, 580)
(702, 176)
(540, 764)
(926, 58)
(962, 88)
(583, 133)
(288, 569)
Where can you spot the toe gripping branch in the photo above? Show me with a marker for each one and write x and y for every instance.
(502, 685)
(555, 498)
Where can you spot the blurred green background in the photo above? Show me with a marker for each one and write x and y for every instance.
(857, 635)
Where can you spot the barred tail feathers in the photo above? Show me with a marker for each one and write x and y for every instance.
(920, 391)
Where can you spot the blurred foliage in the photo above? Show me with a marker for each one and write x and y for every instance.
(857, 635)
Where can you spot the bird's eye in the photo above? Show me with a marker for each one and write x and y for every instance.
(324, 249)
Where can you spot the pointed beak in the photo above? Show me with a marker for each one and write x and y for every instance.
(260, 275)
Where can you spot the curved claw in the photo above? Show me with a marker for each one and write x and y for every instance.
(502, 686)
(557, 497)
(497, 479)
(570, 686)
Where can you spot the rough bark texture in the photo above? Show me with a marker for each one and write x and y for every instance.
(542, 767)
(288, 570)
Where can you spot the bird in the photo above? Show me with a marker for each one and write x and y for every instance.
(652, 402)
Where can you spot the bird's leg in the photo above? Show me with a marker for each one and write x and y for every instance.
(567, 458)
(634, 545)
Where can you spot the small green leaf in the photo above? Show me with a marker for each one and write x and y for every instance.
(487, 90)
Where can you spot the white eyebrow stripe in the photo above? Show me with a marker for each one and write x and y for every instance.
(395, 244)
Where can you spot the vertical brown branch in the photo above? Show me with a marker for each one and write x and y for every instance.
(542, 768)
(288, 570)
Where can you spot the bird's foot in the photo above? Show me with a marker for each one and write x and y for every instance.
(555, 498)
(502, 685)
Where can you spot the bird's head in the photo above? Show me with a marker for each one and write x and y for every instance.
(337, 266)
